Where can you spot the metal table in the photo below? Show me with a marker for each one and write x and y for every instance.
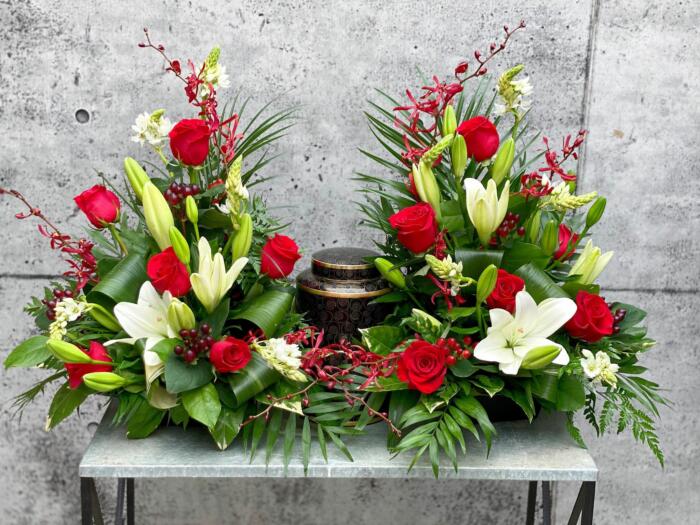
(541, 453)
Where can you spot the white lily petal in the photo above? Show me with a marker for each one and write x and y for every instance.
(153, 366)
(512, 367)
(525, 312)
(552, 314)
(494, 349)
(562, 358)
(126, 340)
(499, 318)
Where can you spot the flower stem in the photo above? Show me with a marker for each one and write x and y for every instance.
(118, 238)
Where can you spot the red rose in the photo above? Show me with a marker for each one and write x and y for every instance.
(167, 273)
(416, 227)
(278, 256)
(100, 205)
(423, 366)
(229, 354)
(566, 238)
(592, 320)
(76, 371)
(189, 141)
(503, 295)
(481, 137)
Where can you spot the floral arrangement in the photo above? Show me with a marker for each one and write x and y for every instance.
(176, 304)
(486, 245)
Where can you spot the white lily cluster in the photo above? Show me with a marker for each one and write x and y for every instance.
(519, 340)
(67, 310)
(212, 281)
(282, 356)
(152, 128)
(448, 270)
(599, 368)
(590, 263)
(485, 208)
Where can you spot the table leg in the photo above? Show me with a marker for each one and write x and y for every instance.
(85, 501)
(531, 502)
(119, 513)
(584, 504)
(546, 503)
(130, 514)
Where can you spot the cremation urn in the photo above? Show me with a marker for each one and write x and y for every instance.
(336, 293)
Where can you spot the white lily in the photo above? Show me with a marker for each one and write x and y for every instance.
(212, 281)
(146, 319)
(486, 210)
(513, 339)
(590, 263)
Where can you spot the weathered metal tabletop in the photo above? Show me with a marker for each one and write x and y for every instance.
(537, 452)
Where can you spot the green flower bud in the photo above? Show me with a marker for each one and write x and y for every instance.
(104, 317)
(533, 226)
(449, 121)
(550, 237)
(213, 57)
(159, 218)
(191, 209)
(104, 381)
(136, 176)
(390, 273)
(243, 238)
(427, 187)
(68, 353)
(500, 168)
(595, 212)
(486, 283)
(459, 156)
(540, 357)
(180, 246)
(180, 316)
(430, 156)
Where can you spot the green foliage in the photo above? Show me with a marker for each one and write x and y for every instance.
(30, 352)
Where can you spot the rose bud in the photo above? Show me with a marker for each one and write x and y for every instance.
(278, 256)
(229, 355)
(566, 238)
(99, 205)
(76, 370)
(481, 137)
(189, 141)
(416, 227)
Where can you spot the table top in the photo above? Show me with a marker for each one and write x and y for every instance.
(542, 450)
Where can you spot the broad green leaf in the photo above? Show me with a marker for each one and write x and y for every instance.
(289, 434)
(253, 379)
(463, 368)
(267, 311)
(472, 407)
(434, 456)
(143, 420)
(459, 312)
(29, 353)
(165, 347)
(452, 217)
(476, 261)
(203, 404)
(387, 384)
(492, 385)
(306, 444)
(523, 398)
(181, 376)
(64, 402)
(544, 386)
(633, 317)
(122, 283)
(571, 394)
(227, 426)
(340, 445)
(522, 253)
(538, 284)
(399, 402)
(381, 339)
(273, 432)
(375, 401)
(217, 318)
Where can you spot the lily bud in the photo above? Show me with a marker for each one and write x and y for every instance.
(427, 187)
(159, 218)
(533, 226)
(136, 176)
(595, 212)
(104, 381)
(68, 353)
(540, 357)
(180, 246)
(458, 156)
(590, 264)
(191, 209)
(500, 168)
(180, 316)
(104, 317)
(485, 208)
(449, 121)
(486, 283)
(390, 273)
(550, 238)
(243, 237)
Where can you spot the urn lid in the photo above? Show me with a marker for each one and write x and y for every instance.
(344, 263)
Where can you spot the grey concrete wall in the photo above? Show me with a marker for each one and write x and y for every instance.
(60, 56)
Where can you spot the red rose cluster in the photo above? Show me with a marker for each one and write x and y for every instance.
(278, 256)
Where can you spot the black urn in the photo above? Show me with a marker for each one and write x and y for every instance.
(336, 293)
